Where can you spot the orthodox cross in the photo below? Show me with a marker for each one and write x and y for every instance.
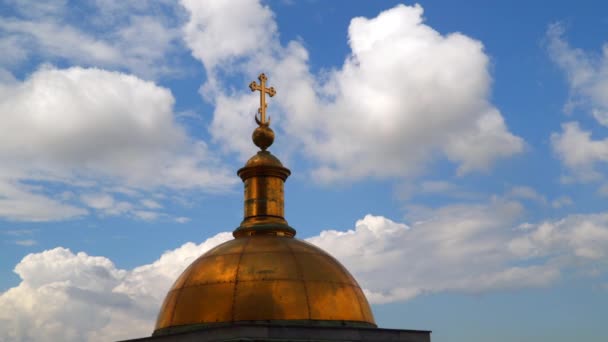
(263, 91)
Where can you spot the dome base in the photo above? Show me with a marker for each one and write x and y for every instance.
(278, 323)
(283, 333)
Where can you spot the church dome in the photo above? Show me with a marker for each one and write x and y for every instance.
(266, 279)
(265, 275)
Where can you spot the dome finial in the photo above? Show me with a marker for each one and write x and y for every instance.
(264, 177)
(263, 136)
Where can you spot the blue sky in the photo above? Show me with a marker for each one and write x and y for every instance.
(453, 155)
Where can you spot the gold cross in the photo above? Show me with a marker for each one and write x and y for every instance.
(263, 91)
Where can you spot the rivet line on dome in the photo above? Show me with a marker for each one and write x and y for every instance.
(236, 278)
(301, 274)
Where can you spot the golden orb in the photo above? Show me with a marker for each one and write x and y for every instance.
(264, 279)
(263, 137)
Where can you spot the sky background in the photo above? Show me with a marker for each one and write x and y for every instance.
(452, 155)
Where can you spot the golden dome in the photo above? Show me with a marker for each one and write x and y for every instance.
(264, 279)
(264, 275)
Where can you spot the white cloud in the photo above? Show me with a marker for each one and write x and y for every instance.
(106, 204)
(579, 152)
(458, 248)
(219, 31)
(77, 297)
(150, 204)
(139, 38)
(34, 8)
(146, 215)
(435, 188)
(562, 201)
(20, 232)
(182, 219)
(466, 248)
(66, 121)
(526, 192)
(587, 74)
(488, 141)
(90, 127)
(19, 202)
(406, 92)
(27, 243)
(454, 248)
(571, 241)
(56, 39)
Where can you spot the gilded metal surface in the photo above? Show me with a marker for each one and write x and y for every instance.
(263, 196)
(263, 91)
(264, 278)
(264, 176)
(263, 159)
(263, 137)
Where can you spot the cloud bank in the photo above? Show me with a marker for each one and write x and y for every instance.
(89, 129)
(139, 37)
(408, 93)
(458, 248)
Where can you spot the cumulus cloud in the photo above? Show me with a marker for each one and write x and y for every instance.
(89, 127)
(406, 92)
(88, 130)
(66, 296)
(454, 248)
(579, 152)
(215, 40)
(466, 248)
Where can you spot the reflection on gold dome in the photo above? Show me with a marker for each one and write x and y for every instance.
(265, 278)
(264, 275)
